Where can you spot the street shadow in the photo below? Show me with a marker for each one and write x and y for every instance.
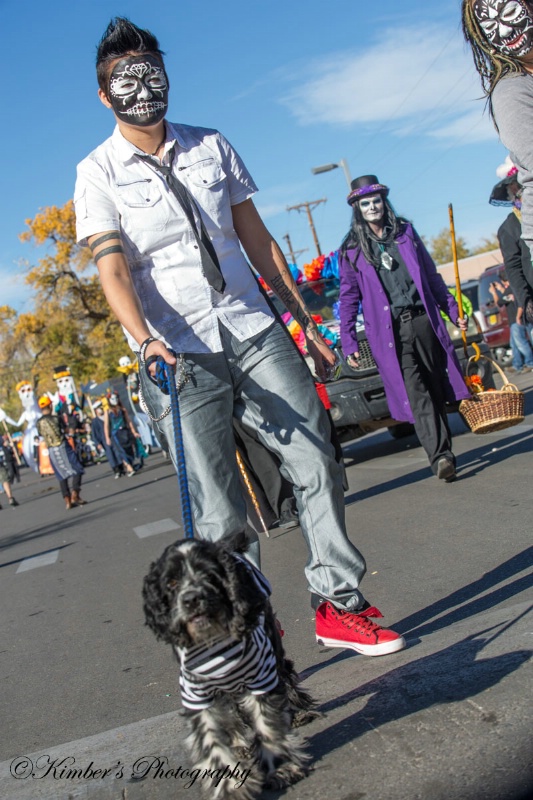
(451, 675)
(454, 674)
(508, 569)
(469, 464)
(37, 533)
(34, 555)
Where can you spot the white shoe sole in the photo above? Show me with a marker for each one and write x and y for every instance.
(382, 649)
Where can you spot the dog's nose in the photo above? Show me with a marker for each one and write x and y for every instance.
(189, 599)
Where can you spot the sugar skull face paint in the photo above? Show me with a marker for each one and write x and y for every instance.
(138, 90)
(507, 25)
(372, 208)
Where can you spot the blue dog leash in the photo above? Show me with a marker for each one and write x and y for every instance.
(165, 379)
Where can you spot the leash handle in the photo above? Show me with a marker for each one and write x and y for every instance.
(165, 379)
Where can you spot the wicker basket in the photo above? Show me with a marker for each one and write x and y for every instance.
(493, 411)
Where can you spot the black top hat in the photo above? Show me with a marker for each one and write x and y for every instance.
(366, 184)
(502, 194)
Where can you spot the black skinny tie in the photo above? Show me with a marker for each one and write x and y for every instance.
(210, 262)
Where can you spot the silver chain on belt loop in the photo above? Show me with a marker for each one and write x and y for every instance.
(183, 379)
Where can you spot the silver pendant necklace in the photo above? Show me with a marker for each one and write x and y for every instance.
(386, 258)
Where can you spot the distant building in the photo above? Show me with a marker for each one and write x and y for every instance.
(470, 268)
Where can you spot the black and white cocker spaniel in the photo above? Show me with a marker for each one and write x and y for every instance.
(238, 689)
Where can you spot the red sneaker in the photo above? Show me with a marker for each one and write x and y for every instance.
(335, 628)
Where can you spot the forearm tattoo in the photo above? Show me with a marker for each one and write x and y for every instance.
(289, 299)
(107, 252)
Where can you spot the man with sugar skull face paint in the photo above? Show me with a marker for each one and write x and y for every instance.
(138, 90)
(385, 267)
(165, 209)
(500, 33)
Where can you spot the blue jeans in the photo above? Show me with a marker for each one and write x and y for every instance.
(521, 346)
(264, 383)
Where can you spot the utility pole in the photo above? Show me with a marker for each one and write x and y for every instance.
(308, 207)
(291, 252)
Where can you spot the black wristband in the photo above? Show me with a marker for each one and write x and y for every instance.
(148, 363)
(144, 345)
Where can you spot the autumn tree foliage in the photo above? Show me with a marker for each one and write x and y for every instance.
(70, 323)
(440, 247)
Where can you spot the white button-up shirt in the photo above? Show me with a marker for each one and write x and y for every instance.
(116, 190)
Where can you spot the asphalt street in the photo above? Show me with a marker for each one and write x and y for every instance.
(85, 685)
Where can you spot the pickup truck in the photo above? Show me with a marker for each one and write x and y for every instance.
(357, 396)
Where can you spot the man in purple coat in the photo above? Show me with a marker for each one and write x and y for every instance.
(385, 267)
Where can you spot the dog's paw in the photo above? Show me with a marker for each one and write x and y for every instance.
(302, 717)
(284, 776)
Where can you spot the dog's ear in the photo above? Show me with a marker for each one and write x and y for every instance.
(247, 601)
(156, 606)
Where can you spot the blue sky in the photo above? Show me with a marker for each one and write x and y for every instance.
(389, 87)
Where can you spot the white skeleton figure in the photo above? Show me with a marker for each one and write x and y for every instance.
(140, 419)
(66, 388)
(30, 414)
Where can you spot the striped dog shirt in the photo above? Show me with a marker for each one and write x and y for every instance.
(229, 665)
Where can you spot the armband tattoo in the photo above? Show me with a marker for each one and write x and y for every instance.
(107, 252)
(104, 238)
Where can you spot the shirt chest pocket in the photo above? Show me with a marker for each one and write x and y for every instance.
(141, 205)
(205, 180)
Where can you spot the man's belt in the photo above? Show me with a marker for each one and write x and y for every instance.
(407, 316)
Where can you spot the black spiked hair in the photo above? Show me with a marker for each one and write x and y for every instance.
(120, 38)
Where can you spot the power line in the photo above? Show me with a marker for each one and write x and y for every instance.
(408, 95)
(427, 121)
(443, 152)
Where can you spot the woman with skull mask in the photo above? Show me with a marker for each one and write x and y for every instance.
(385, 267)
(500, 33)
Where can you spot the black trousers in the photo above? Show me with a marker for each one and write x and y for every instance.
(76, 485)
(423, 364)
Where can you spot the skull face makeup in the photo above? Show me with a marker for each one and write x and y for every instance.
(25, 392)
(372, 208)
(138, 90)
(507, 25)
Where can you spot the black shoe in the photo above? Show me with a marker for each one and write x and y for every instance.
(288, 520)
(446, 469)
(13, 502)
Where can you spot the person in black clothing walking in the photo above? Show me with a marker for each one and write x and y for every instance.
(7, 472)
(518, 268)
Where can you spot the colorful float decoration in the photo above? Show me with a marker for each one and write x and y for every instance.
(320, 267)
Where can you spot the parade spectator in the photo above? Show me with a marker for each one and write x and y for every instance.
(11, 459)
(120, 435)
(522, 352)
(165, 209)
(63, 458)
(99, 439)
(515, 252)
(501, 37)
(36, 443)
(7, 473)
(385, 266)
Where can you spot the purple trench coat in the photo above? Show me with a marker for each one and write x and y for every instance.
(359, 281)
